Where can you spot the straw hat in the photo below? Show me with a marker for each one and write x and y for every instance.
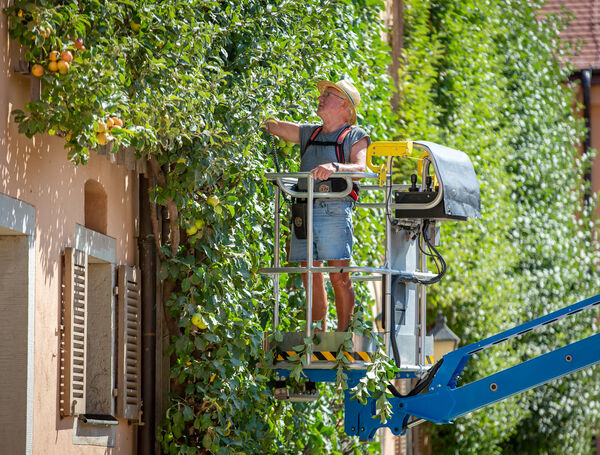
(347, 89)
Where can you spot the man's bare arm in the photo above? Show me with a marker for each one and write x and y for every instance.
(285, 130)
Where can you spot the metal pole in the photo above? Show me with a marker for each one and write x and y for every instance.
(423, 263)
(388, 265)
(276, 258)
(309, 257)
(423, 305)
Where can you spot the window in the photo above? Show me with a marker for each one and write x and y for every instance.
(101, 335)
(17, 304)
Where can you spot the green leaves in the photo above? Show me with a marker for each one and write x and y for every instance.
(482, 78)
(192, 82)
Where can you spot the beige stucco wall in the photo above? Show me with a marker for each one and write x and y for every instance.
(37, 172)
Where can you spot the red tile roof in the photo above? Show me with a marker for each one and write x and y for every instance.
(584, 29)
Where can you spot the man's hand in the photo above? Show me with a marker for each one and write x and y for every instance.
(323, 171)
(268, 123)
(287, 131)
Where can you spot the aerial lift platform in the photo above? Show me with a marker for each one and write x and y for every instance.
(442, 188)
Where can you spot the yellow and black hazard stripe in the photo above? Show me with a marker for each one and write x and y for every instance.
(329, 356)
(285, 355)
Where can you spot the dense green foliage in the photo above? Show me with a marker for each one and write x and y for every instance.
(192, 81)
(482, 77)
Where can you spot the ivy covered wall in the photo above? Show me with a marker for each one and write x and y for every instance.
(484, 77)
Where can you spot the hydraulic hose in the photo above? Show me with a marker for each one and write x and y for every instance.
(421, 385)
(394, 343)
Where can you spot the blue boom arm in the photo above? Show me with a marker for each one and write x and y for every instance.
(444, 401)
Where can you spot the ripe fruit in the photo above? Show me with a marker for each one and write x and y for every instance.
(198, 321)
(53, 66)
(100, 126)
(109, 122)
(78, 43)
(45, 32)
(54, 55)
(67, 56)
(37, 70)
(63, 67)
(117, 122)
(213, 200)
(102, 138)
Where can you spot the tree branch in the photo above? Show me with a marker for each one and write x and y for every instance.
(174, 236)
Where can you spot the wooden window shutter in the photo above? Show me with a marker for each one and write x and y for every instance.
(73, 353)
(129, 343)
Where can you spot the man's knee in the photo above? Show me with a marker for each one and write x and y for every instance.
(341, 280)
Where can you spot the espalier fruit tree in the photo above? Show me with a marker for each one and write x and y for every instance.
(186, 84)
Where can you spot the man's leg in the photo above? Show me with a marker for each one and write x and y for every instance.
(344, 294)
(319, 302)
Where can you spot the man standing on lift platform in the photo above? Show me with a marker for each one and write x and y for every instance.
(334, 146)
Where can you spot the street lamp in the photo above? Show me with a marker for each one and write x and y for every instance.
(444, 339)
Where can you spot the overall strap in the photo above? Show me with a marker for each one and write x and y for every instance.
(339, 149)
(311, 140)
(339, 142)
(337, 183)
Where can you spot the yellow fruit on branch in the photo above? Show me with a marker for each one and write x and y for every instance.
(37, 70)
(63, 67)
(198, 321)
(213, 201)
(102, 138)
(100, 126)
(53, 66)
(66, 56)
(54, 56)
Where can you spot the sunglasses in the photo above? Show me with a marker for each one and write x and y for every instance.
(328, 94)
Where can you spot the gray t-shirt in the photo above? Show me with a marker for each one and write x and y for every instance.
(320, 154)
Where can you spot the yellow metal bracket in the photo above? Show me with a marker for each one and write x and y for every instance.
(389, 149)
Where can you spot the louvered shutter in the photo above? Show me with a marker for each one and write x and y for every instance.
(129, 344)
(73, 379)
